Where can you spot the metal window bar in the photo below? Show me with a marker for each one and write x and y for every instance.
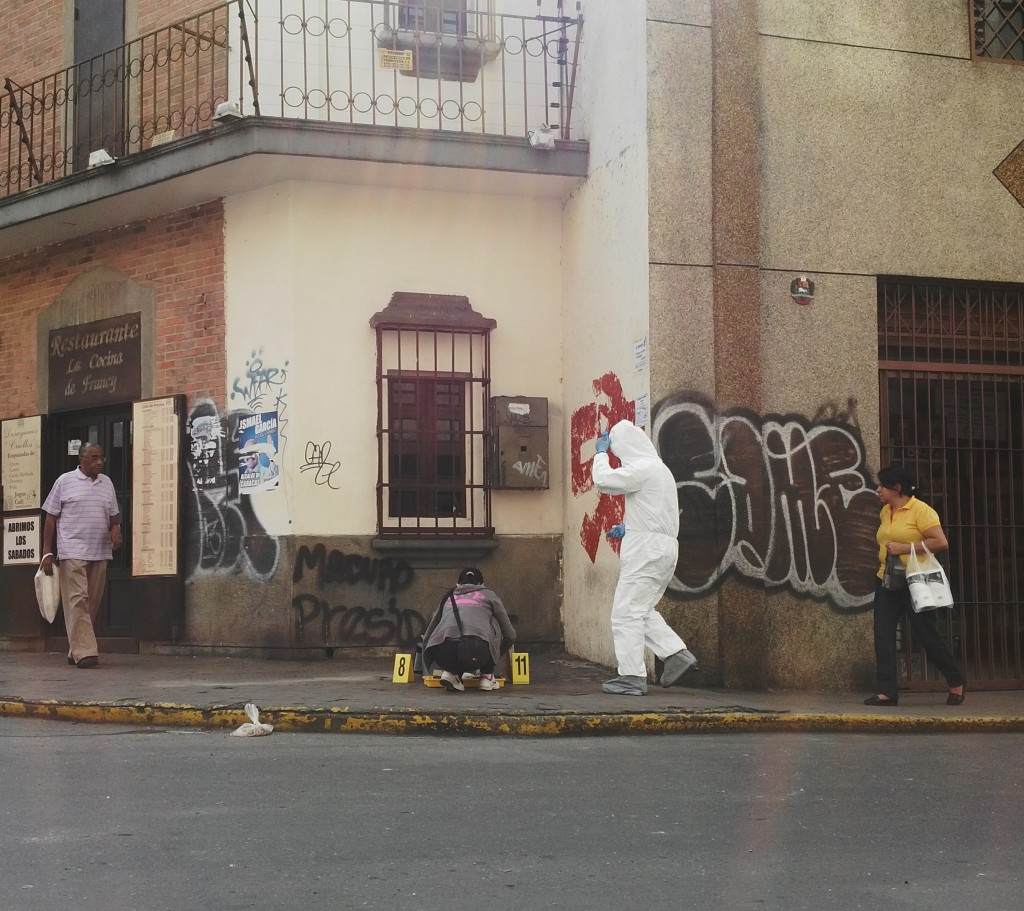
(997, 30)
(445, 376)
(951, 358)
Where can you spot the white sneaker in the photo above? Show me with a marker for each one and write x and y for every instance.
(451, 683)
(489, 682)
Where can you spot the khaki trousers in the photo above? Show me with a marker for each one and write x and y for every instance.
(81, 590)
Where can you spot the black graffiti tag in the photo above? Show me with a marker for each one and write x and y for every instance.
(317, 620)
(351, 569)
(226, 534)
(316, 460)
(773, 499)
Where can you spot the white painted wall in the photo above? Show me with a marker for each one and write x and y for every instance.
(605, 275)
(308, 264)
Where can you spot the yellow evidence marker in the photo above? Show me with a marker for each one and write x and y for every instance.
(519, 663)
(403, 669)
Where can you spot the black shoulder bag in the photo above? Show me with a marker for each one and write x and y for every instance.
(894, 577)
(473, 653)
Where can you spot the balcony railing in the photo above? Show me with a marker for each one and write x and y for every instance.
(362, 62)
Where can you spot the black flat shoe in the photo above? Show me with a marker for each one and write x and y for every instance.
(956, 698)
(880, 700)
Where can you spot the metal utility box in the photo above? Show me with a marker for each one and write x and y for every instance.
(520, 443)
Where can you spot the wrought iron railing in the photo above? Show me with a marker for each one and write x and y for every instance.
(363, 62)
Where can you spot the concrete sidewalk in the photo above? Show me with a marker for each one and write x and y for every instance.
(357, 695)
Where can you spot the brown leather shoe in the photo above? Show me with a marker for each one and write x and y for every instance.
(88, 661)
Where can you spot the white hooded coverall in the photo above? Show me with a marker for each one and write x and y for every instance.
(650, 547)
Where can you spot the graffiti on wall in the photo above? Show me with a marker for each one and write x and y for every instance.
(227, 536)
(367, 579)
(773, 498)
(261, 387)
(536, 467)
(317, 464)
(586, 423)
(776, 499)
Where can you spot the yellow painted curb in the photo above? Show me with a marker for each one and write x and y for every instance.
(344, 720)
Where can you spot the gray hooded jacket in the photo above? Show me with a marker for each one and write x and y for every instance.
(483, 615)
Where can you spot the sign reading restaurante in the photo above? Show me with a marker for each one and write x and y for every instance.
(96, 363)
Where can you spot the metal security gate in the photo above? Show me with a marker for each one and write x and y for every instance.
(951, 384)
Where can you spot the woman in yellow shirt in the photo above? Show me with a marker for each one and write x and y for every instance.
(905, 520)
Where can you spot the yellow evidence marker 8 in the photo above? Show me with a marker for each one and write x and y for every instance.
(403, 669)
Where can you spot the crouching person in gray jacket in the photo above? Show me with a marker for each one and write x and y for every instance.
(469, 632)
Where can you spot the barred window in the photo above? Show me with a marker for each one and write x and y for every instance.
(997, 29)
(442, 16)
(433, 384)
(427, 436)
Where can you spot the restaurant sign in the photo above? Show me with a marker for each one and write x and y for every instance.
(96, 363)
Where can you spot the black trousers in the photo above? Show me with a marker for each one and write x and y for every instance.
(446, 657)
(890, 606)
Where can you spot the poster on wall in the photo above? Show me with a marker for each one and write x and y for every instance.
(155, 473)
(20, 460)
(642, 408)
(206, 460)
(258, 469)
(22, 540)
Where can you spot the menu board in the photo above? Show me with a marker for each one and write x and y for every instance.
(21, 448)
(155, 479)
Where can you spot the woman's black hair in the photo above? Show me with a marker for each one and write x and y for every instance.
(471, 576)
(898, 478)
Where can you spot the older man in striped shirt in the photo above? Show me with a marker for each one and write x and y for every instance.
(82, 511)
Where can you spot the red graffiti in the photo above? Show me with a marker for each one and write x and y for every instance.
(610, 511)
(586, 423)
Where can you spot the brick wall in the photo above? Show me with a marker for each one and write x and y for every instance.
(179, 256)
(31, 39)
(154, 14)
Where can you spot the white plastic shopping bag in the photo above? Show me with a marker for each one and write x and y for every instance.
(48, 593)
(252, 728)
(926, 579)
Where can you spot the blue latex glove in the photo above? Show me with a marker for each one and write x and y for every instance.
(603, 443)
(617, 531)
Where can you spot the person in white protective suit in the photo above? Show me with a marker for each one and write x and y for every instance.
(650, 548)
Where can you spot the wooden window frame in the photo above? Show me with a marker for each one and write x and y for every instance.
(433, 418)
(424, 434)
(443, 17)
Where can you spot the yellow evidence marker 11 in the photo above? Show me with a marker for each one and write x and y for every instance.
(520, 667)
(403, 669)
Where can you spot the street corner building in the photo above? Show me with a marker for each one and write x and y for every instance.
(346, 292)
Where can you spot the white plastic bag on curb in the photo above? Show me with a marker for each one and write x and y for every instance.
(252, 728)
(48, 593)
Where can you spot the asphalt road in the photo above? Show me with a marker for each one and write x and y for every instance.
(108, 817)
